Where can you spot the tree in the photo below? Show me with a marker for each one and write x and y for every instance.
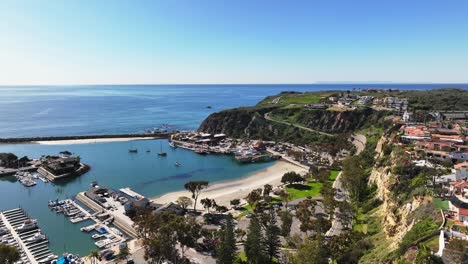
(328, 194)
(93, 256)
(188, 232)
(195, 187)
(286, 197)
(184, 202)
(159, 235)
(207, 204)
(272, 239)
(8, 254)
(286, 222)
(226, 248)
(123, 254)
(254, 196)
(235, 203)
(255, 243)
(304, 212)
(267, 188)
(311, 252)
(291, 177)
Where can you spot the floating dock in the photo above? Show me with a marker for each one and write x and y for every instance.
(31, 252)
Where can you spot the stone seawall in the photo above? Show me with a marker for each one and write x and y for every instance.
(33, 139)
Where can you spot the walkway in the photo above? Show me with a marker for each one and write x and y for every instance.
(267, 117)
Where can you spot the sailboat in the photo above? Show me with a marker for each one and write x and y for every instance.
(161, 153)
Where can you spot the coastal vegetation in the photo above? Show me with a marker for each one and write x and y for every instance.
(8, 254)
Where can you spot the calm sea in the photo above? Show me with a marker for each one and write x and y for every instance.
(81, 110)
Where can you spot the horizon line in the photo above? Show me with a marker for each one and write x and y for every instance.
(213, 84)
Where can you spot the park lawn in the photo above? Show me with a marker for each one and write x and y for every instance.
(300, 99)
(300, 190)
(441, 204)
(312, 188)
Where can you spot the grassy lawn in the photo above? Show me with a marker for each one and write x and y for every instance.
(300, 191)
(441, 204)
(333, 175)
(300, 99)
(312, 188)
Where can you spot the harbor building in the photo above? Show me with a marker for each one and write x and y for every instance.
(54, 168)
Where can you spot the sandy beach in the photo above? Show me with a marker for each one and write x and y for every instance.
(91, 140)
(224, 192)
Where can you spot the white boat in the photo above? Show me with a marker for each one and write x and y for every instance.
(178, 164)
(3, 231)
(37, 237)
(172, 144)
(27, 225)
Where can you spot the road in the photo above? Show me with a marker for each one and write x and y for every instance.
(359, 141)
(337, 227)
(267, 117)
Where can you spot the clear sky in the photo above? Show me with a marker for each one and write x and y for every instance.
(238, 41)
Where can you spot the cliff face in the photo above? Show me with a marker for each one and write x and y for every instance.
(396, 220)
(240, 122)
(332, 121)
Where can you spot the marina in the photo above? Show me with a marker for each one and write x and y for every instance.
(25, 234)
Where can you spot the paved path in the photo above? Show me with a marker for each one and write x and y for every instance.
(337, 227)
(267, 117)
(359, 141)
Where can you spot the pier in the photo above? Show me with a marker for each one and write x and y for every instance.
(32, 251)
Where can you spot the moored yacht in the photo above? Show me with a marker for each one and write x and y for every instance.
(27, 225)
(37, 237)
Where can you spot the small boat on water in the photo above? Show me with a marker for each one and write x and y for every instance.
(134, 150)
(148, 150)
(172, 144)
(177, 164)
(161, 153)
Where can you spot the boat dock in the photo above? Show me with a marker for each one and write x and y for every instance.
(23, 232)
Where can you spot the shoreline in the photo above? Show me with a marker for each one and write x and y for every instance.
(225, 191)
(91, 140)
(84, 138)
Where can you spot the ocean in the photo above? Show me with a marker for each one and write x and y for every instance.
(83, 110)
(113, 109)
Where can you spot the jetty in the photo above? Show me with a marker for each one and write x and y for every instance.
(24, 234)
(54, 138)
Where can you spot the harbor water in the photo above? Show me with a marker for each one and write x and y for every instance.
(113, 166)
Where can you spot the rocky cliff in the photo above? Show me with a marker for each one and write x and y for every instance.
(250, 121)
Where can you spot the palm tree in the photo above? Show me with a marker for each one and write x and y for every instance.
(93, 256)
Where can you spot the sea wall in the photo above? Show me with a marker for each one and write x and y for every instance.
(53, 138)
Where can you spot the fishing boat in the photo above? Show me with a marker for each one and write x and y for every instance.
(161, 153)
(177, 164)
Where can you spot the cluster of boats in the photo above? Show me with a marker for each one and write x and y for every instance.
(26, 236)
(26, 178)
(164, 128)
(164, 154)
(67, 208)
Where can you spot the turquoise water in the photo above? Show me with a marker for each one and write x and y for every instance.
(112, 166)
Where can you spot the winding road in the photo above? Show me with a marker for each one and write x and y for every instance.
(267, 117)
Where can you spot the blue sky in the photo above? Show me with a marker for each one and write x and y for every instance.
(271, 41)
